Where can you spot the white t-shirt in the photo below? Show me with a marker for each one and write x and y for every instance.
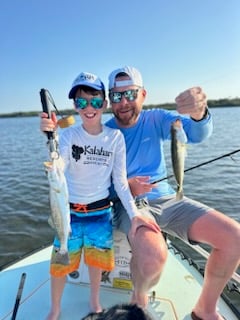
(90, 162)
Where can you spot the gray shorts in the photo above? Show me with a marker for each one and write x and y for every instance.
(173, 217)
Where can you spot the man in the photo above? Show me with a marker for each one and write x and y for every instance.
(145, 132)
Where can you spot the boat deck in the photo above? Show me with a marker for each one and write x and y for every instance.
(175, 294)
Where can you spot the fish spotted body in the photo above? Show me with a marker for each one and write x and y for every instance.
(178, 153)
(60, 210)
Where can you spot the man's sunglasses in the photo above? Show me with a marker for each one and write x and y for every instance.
(129, 95)
(82, 103)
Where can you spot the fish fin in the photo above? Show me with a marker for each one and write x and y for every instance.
(61, 258)
(179, 195)
(50, 222)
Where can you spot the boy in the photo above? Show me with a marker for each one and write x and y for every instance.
(93, 154)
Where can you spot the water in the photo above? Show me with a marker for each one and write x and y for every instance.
(24, 207)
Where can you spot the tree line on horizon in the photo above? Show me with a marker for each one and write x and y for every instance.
(235, 102)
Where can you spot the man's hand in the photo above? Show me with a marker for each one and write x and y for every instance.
(192, 102)
(140, 185)
(47, 124)
(140, 221)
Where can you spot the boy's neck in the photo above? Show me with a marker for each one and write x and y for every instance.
(93, 130)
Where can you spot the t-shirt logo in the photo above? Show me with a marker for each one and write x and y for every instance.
(92, 154)
(87, 77)
(76, 152)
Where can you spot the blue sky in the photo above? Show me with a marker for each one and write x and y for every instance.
(176, 44)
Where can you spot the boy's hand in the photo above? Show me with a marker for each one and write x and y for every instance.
(47, 124)
(139, 222)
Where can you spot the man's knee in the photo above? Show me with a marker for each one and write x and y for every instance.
(149, 252)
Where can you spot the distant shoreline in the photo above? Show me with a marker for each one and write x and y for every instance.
(169, 106)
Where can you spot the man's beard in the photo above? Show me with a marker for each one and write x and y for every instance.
(127, 120)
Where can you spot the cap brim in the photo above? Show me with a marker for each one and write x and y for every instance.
(72, 92)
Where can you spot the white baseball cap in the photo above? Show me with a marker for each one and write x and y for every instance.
(133, 73)
(86, 79)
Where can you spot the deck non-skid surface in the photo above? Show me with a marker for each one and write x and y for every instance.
(175, 294)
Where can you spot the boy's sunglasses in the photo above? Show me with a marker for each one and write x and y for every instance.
(82, 103)
(129, 95)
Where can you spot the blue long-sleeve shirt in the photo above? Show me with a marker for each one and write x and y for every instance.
(144, 144)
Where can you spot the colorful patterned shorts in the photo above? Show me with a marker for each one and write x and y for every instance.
(94, 236)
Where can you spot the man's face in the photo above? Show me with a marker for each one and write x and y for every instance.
(126, 103)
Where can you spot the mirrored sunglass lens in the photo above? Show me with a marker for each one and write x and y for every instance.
(81, 103)
(116, 96)
(130, 95)
(97, 103)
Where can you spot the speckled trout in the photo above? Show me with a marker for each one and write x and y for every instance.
(178, 153)
(60, 210)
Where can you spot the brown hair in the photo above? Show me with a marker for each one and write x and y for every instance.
(89, 90)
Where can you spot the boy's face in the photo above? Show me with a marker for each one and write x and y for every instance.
(90, 107)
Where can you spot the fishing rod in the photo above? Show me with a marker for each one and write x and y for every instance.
(48, 102)
(199, 165)
(46, 99)
(19, 295)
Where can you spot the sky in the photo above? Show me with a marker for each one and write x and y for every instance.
(176, 44)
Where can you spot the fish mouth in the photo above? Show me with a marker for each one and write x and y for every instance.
(48, 164)
(177, 123)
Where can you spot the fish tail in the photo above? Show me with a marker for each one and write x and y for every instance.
(179, 195)
(61, 258)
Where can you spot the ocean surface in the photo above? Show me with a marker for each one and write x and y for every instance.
(24, 207)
